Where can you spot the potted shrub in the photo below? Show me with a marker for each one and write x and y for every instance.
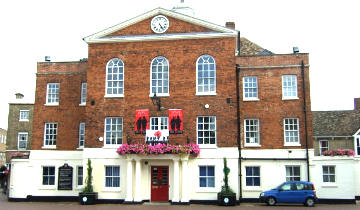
(88, 196)
(226, 197)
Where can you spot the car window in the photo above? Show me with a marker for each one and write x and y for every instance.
(286, 187)
(300, 186)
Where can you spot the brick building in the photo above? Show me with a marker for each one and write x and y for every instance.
(19, 126)
(186, 81)
(2, 146)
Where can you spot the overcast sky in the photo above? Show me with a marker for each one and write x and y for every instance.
(326, 29)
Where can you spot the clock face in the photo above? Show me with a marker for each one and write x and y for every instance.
(159, 24)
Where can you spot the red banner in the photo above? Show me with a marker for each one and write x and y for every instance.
(176, 120)
(142, 122)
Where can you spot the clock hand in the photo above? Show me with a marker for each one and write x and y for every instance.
(162, 27)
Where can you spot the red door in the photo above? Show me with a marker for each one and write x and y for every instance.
(160, 183)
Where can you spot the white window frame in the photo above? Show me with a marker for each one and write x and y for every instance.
(52, 136)
(248, 134)
(78, 176)
(120, 67)
(206, 145)
(165, 88)
(118, 133)
(162, 123)
(253, 176)
(52, 94)
(83, 94)
(289, 87)
(321, 147)
(82, 128)
(24, 115)
(209, 78)
(292, 132)
(326, 172)
(250, 84)
(291, 176)
(112, 188)
(48, 175)
(207, 187)
(26, 134)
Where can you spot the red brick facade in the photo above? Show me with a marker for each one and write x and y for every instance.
(182, 56)
(271, 109)
(68, 114)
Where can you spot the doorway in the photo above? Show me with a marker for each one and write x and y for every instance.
(160, 183)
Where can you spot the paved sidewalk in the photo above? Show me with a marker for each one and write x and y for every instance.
(5, 205)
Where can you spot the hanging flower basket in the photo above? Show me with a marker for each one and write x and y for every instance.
(145, 149)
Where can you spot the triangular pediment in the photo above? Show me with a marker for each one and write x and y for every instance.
(180, 27)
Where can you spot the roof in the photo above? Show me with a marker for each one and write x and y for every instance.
(248, 47)
(335, 123)
(218, 31)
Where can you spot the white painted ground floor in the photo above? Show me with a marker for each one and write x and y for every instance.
(178, 178)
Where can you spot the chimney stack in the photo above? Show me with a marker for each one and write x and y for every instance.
(357, 103)
(230, 25)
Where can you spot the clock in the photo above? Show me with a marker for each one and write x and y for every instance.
(159, 24)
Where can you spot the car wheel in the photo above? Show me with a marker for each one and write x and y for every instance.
(310, 202)
(271, 201)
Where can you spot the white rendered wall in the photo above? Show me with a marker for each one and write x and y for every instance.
(344, 186)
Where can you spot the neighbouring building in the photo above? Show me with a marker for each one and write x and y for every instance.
(2, 146)
(337, 152)
(19, 127)
(168, 77)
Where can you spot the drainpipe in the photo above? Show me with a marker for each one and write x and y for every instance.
(305, 116)
(237, 69)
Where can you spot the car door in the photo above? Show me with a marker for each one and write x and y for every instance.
(287, 193)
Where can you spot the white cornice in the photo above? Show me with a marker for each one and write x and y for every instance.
(96, 38)
(159, 38)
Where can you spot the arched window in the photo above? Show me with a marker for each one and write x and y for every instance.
(159, 76)
(205, 75)
(115, 77)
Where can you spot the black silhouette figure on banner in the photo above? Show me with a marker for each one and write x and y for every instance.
(138, 125)
(173, 124)
(178, 123)
(143, 124)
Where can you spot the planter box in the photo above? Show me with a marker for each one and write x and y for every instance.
(88, 198)
(226, 199)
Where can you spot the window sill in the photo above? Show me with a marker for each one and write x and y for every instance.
(48, 147)
(111, 146)
(207, 146)
(205, 94)
(54, 104)
(111, 189)
(329, 185)
(159, 95)
(290, 98)
(251, 99)
(80, 148)
(252, 145)
(24, 120)
(252, 189)
(292, 145)
(47, 187)
(114, 96)
(84, 104)
(206, 189)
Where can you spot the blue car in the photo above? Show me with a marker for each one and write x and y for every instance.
(291, 192)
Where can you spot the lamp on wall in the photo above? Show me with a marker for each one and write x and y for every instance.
(156, 101)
